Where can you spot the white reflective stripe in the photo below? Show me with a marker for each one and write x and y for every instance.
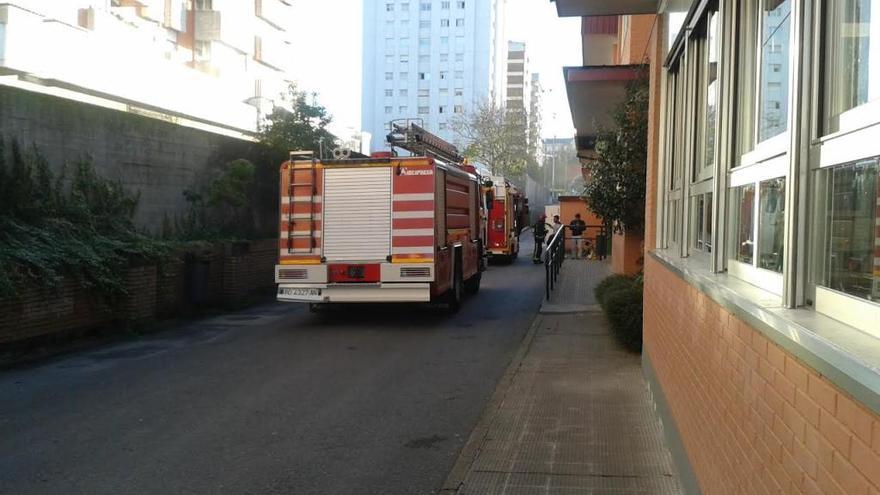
(412, 232)
(413, 214)
(414, 197)
(413, 250)
(302, 234)
(302, 199)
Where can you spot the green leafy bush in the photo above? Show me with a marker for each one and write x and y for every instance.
(621, 300)
(611, 284)
(51, 227)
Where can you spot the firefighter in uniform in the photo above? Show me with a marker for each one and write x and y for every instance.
(540, 231)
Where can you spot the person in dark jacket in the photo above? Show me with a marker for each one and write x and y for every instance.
(577, 228)
(540, 229)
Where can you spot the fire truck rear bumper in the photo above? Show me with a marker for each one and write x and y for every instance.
(352, 293)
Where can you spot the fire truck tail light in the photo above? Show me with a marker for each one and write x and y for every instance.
(415, 272)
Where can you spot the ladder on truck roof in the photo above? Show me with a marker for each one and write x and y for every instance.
(303, 182)
(418, 141)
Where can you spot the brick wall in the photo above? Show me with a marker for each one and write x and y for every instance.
(626, 253)
(41, 312)
(752, 417)
(246, 272)
(153, 293)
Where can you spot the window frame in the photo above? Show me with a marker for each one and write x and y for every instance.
(856, 138)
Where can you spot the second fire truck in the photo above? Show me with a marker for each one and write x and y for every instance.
(508, 215)
(383, 228)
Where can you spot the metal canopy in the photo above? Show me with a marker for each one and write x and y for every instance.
(578, 8)
(593, 94)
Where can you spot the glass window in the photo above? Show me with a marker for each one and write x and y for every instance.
(424, 76)
(459, 92)
(701, 211)
(404, 59)
(708, 162)
(425, 6)
(389, 92)
(444, 5)
(459, 57)
(743, 209)
(771, 224)
(389, 7)
(851, 256)
(459, 22)
(424, 42)
(389, 76)
(402, 109)
(444, 57)
(424, 93)
(459, 74)
(773, 85)
(444, 22)
(387, 109)
(425, 24)
(404, 76)
(444, 74)
(852, 66)
(458, 109)
(404, 92)
(423, 110)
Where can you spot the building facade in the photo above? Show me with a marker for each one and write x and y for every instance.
(215, 64)
(432, 60)
(762, 243)
(517, 94)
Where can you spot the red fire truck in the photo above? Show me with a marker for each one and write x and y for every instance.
(508, 215)
(383, 228)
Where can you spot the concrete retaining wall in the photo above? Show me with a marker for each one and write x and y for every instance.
(156, 158)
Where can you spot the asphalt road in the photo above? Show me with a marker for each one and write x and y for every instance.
(270, 400)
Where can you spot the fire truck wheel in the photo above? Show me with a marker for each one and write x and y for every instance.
(455, 293)
(472, 285)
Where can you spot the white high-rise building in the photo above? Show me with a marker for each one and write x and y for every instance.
(432, 60)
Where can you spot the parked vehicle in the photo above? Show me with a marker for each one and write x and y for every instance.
(508, 215)
(382, 228)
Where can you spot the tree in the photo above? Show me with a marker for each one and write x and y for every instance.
(616, 189)
(495, 136)
(298, 124)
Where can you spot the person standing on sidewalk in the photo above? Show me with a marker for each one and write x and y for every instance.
(540, 230)
(556, 225)
(577, 227)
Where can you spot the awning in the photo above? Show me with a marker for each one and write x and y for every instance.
(579, 8)
(593, 94)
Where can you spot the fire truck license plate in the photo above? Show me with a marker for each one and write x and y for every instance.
(309, 294)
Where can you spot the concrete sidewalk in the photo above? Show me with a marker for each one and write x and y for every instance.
(572, 413)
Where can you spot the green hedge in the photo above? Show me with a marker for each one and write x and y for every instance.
(621, 300)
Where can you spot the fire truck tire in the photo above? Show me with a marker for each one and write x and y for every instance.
(472, 285)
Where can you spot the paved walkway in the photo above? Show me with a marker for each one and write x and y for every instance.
(572, 413)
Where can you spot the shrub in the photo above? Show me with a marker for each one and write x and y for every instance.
(621, 301)
(48, 229)
(611, 284)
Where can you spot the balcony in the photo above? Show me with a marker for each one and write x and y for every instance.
(207, 25)
(275, 12)
(593, 93)
(580, 8)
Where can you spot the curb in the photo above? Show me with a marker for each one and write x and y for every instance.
(468, 454)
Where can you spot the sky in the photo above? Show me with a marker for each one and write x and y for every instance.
(327, 45)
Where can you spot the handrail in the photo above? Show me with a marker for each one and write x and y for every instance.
(555, 254)
(553, 258)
